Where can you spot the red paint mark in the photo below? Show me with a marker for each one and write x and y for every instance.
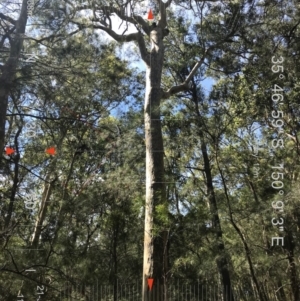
(9, 150)
(51, 151)
(150, 283)
(150, 15)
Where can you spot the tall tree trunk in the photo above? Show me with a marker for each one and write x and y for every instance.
(255, 283)
(155, 239)
(222, 262)
(9, 69)
(260, 290)
(155, 242)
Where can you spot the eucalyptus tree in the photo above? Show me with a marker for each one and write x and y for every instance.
(150, 40)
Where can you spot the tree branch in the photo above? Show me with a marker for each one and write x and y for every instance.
(108, 10)
(143, 50)
(185, 85)
(133, 20)
(117, 37)
(9, 19)
(137, 36)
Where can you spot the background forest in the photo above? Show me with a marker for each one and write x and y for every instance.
(72, 219)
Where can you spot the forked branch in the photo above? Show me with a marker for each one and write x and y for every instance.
(137, 36)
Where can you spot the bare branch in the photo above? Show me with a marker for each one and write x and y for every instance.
(185, 85)
(117, 37)
(107, 10)
(133, 20)
(9, 19)
(174, 90)
(137, 36)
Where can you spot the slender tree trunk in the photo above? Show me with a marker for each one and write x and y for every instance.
(254, 280)
(114, 262)
(8, 226)
(9, 69)
(222, 262)
(261, 292)
(13, 192)
(281, 292)
(155, 251)
(46, 194)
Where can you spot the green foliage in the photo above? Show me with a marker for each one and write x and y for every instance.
(93, 225)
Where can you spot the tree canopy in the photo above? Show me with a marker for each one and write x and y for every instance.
(121, 164)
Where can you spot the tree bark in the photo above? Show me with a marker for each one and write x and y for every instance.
(9, 69)
(155, 242)
(13, 192)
